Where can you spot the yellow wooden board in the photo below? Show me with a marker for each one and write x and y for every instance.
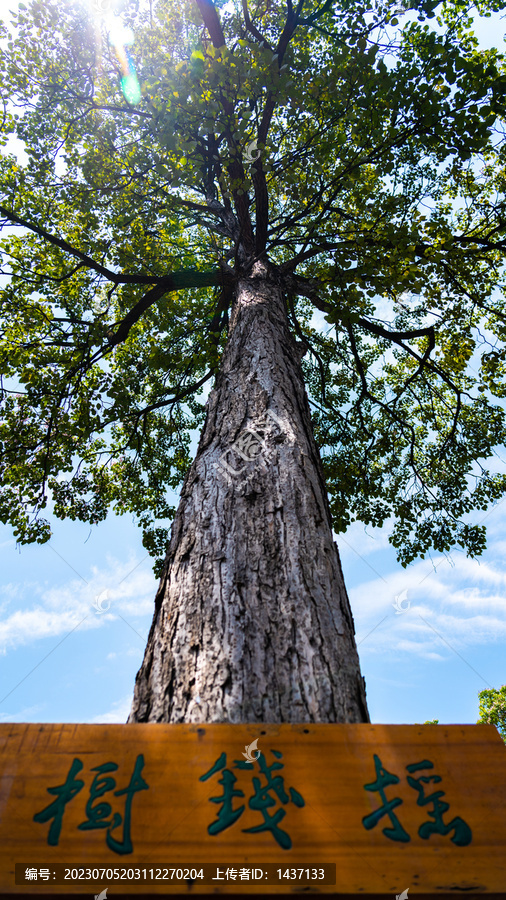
(385, 807)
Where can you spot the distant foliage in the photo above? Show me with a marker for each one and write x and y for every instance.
(493, 709)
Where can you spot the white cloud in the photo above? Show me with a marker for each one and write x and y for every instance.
(126, 588)
(7, 543)
(118, 714)
(23, 715)
(132, 651)
(461, 602)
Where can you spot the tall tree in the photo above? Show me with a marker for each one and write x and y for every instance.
(206, 186)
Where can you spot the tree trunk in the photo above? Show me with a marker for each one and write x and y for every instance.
(252, 621)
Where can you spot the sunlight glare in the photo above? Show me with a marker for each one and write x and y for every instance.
(121, 38)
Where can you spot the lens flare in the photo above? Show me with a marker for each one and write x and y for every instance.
(121, 38)
(131, 88)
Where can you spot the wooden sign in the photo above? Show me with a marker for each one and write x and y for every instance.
(349, 810)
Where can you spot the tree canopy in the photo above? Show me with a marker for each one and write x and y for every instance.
(357, 148)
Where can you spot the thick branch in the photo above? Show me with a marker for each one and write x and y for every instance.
(212, 22)
(178, 395)
(251, 27)
(399, 335)
(318, 14)
(260, 184)
(68, 248)
(186, 278)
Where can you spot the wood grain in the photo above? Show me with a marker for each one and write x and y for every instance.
(327, 765)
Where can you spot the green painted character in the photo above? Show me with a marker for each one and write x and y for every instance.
(383, 780)
(137, 783)
(261, 800)
(64, 793)
(462, 834)
(226, 816)
(98, 815)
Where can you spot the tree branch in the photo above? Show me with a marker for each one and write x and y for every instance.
(68, 248)
(318, 14)
(252, 28)
(184, 278)
(179, 394)
(260, 184)
(212, 22)
(170, 283)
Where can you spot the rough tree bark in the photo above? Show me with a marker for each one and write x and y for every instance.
(252, 621)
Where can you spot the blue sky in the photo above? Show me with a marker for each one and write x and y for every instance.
(62, 660)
